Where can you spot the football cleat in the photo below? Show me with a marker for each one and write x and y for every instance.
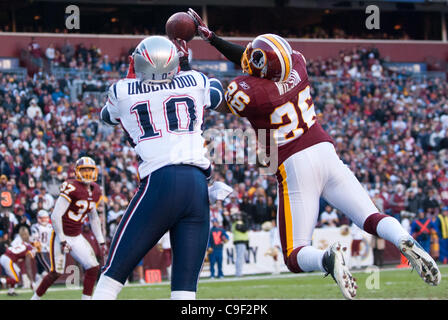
(335, 264)
(421, 261)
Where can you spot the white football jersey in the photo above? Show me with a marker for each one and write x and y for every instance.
(163, 121)
(42, 234)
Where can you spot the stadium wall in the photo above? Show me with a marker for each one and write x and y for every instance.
(116, 45)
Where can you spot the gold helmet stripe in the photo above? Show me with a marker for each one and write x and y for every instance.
(286, 61)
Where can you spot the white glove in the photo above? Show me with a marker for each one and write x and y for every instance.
(218, 191)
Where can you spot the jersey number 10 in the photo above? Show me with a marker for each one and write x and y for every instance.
(172, 108)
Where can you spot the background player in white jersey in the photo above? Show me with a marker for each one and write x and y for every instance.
(78, 199)
(40, 236)
(162, 112)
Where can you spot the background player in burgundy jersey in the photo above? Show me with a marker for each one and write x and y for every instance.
(275, 95)
(78, 198)
(19, 250)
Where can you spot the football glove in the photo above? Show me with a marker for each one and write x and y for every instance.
(203, 31)
(65, 248)
(131, 70)
(182, 49)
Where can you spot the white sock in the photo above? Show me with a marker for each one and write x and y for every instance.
(310, 259)
(107, 289)
(85, 297)
(390, 229)
(183, 295)
(35, 297)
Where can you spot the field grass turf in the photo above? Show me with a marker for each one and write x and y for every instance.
(396, 284)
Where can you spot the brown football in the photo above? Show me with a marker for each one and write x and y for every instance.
(180, 25)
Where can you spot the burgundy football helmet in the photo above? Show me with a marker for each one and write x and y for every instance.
(268, 56)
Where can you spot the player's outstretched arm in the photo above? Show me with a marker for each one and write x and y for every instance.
(231, 51)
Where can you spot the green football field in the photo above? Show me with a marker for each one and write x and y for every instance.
(388, 283)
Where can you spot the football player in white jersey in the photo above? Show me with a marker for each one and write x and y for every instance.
(40, 236)
(162, 110)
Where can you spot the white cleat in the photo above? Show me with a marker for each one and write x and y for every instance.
(335, 264)
(421, 261)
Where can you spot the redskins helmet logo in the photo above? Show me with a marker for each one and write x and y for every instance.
(258, 58)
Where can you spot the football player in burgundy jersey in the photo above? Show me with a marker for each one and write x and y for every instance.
(77, 200)
(274, 95)
(19, 250)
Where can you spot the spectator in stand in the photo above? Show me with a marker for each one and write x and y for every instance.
(50, 53)
(398, 202)
(329, 217)
(35, 52)
(431, 201)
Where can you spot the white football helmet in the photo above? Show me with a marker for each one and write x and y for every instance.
(43, 217)
(156, 60)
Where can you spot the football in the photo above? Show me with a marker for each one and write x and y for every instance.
(180, 25)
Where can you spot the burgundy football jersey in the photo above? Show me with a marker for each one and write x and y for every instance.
(19, 251)
(83, 198)
(286, 109)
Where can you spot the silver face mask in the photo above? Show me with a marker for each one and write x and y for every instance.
(156, 60)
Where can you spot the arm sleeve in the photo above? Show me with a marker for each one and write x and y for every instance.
(59, 209)
(233, 52)
(95, 223)
(110, 113)
(216, 93)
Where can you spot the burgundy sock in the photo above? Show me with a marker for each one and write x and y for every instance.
(47, 281)
(89, 280)
(372, 222)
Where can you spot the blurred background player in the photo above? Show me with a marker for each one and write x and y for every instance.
(167, 101)
(15, 256)
(78, 199)
(275, 95)
(40, 236)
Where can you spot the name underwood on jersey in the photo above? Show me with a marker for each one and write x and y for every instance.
(138, 87)
(163, 120)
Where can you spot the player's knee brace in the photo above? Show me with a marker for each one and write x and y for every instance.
(291, 261)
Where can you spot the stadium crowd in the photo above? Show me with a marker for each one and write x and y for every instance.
(390, 129)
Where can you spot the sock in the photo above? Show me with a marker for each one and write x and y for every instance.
(107, 289)
(35, 297)
(89, 280)
(46, 282)
(86, 297)
(310, 259)
(390, 229)
(183, 295)
(11, 282)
